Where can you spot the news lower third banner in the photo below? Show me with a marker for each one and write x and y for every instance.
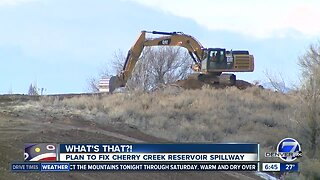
(111, 167)
(138, 157)
(158, 152)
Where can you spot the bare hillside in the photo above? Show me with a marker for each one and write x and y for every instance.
(168, 115)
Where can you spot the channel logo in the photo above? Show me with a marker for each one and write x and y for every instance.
(40, 152)
(288, 150)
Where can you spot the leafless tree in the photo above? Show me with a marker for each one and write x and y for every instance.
(156, 66)
(118, 60)
(93, 82)
(169, 65)
(276, 80)
(310, 105)
(33, 90)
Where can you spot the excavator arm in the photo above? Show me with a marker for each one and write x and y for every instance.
(194, 48)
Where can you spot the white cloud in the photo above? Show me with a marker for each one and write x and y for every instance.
(15, 2)
(258, 18)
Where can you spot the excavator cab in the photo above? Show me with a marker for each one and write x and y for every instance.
(220, 60)
(216, 54)
(216, 60)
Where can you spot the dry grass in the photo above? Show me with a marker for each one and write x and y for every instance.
(206, 115)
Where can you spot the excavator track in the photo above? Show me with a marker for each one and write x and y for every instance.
(194, 82)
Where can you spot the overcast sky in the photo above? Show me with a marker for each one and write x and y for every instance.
(60, 44)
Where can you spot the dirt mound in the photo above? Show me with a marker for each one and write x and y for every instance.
(241, 84)
(196, 84)
(190, 84)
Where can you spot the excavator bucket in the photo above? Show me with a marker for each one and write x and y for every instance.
(114, 83)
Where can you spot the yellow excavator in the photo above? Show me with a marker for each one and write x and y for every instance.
(209, 63)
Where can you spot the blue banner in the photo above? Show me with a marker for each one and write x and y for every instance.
(159, 148)
(289, 167)
(55, 167)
